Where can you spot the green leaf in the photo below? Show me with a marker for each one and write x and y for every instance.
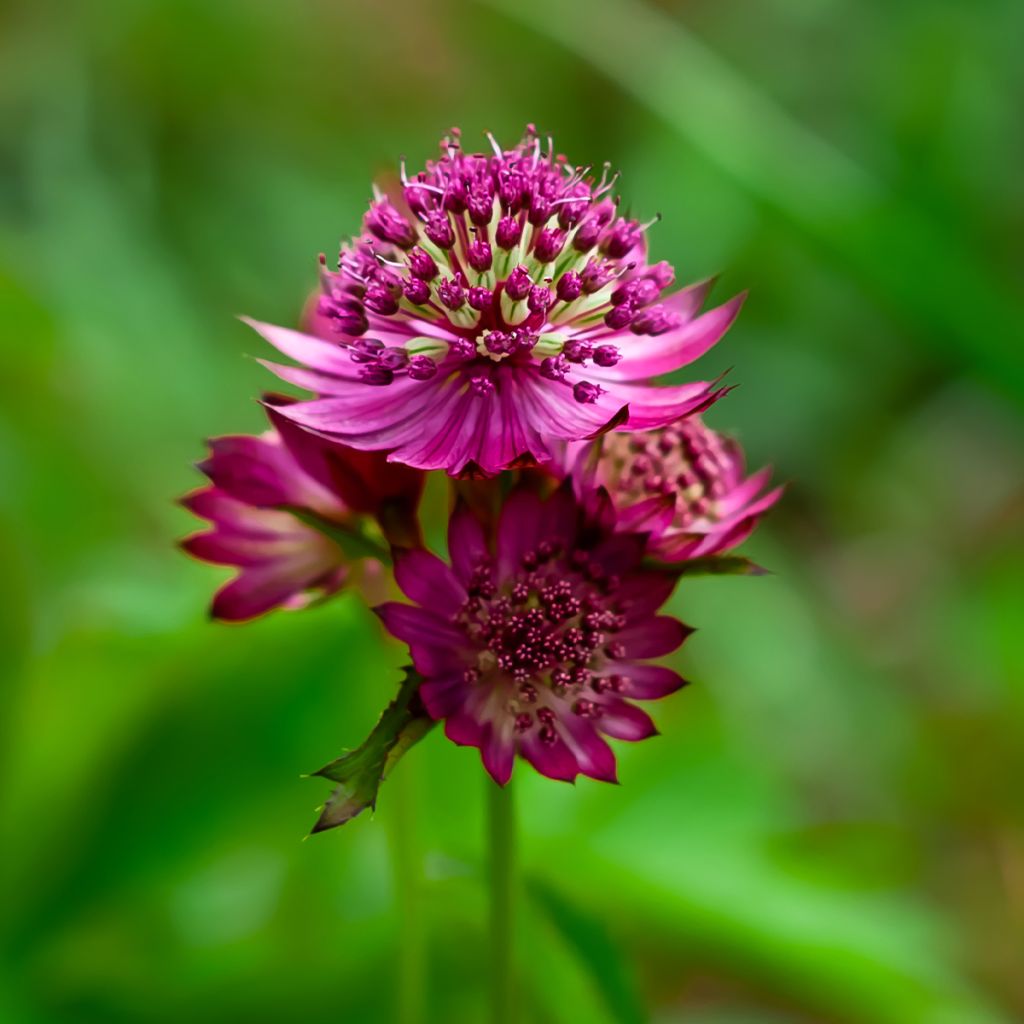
(354, 543)
(596, 951)
(722, 565)
(360, 772)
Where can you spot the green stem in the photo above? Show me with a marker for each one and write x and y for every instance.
(405, 858)
(501, 839)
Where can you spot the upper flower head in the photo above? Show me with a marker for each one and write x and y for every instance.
(538, 645)
(497, 305)
(685, 485)
(282, 505)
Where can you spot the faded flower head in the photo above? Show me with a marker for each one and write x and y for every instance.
(538, 646)
(495, 306)
(685, 485)
(283, 507)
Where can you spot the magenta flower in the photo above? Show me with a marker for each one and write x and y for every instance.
(495, 307)
(538, 646)
(685, 485)
(267, 492)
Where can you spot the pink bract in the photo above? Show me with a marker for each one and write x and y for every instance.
(684, 485)
(262, 486)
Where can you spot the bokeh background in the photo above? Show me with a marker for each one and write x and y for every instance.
(830, 829)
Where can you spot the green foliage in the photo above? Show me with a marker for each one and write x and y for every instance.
(360, 772)
(829, 828)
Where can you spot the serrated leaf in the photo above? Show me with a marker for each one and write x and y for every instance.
(360, 772)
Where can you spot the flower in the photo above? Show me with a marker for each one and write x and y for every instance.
(288, 510)
(495, 306)
(539, 645)
(685, 485)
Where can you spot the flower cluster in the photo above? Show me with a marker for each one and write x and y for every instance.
(494, 307)
(497, 319)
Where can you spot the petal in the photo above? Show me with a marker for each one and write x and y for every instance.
(520, 529)
(593, 755)
(652, 407)
(464, 730)
(649, 682)
(259, 589)
(498, 751)
(434, 644)
(304, 348)
(644, 357)
(428, 581)
(554, 760)
(643, 593)
(261, 471)
(625, 721)
(467, 546)
(652, 638)
(443, 695)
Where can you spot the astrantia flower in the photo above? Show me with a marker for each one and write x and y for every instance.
(538, 646)
(685, 485)
(267, 491)
(496, 307)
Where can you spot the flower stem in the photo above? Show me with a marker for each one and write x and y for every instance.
(405, 860)
(501, 836)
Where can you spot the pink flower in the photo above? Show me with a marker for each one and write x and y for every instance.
(685, 485)
(497, 307)
(538, 646)
(265, 494)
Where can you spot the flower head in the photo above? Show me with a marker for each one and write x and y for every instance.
(684, 484)
(538, 646)
(496, 306)
(280, 504)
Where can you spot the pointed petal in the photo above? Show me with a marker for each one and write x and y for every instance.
(652, 638)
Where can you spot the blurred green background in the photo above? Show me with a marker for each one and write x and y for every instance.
(830, 829)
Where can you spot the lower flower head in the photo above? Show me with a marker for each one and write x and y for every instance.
(538, 646)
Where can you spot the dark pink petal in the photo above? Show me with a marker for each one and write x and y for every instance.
(261, 471)
(433, 643)
(464, 729)
(223, 548)
(652, 638)
(467, 546)
(649, 682)
(443, 695)
(520, 529)
(554, 760)
(498, 751)
(593, 755)
(625, 721)
(258, 590)
(428, 581)
(643, 593)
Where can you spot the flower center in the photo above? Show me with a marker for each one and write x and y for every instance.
(688, 461)
(545, 636)
(491, 250)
